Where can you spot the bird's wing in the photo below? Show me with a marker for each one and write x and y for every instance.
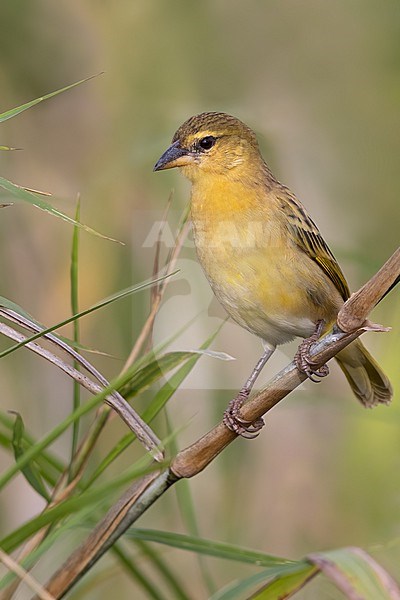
(309, 239)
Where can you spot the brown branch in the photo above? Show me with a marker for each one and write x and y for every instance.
(361, 303)
(107, 531)
(196, 457)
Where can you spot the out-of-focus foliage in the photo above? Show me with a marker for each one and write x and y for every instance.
(320, 84)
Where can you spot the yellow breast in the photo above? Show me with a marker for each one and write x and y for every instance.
(255, 269)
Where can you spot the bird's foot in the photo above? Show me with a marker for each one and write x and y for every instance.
(303, 361)
(236, 423)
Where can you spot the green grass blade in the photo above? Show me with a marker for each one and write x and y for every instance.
(210, 548)
(152, 372)
(125, 442)
(39, 446)
(188, 514)
(122, 294)
(166, 392)
(5, 441)
(94, 498)
(160, 565)
(285, 585)
(157, 404)
(48, 543)
(13, 112)
(236, 589)
(76, 400)
(170, 387)
(156, 350)
(137, 574)
(35, 200)
(30, 472)
(6, 303)
(51, 466)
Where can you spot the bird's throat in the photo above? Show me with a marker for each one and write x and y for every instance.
(220, 198)
(229, 221)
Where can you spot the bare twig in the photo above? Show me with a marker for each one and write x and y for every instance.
(156, 300)
(155, 291)
(115, 400)
(196, 457)
(25, 577)
(25, 322)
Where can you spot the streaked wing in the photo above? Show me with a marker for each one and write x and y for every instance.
(309, 239)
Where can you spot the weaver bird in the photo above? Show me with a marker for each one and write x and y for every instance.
(263, 255)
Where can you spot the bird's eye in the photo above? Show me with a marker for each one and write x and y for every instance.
(207, 142)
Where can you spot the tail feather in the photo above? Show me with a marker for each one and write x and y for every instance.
(367, 380)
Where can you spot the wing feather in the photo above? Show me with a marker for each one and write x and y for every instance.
(309, 239)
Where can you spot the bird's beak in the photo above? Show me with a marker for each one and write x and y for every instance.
(174, 156)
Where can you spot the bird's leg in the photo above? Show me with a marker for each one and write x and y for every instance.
(232, 418)
(302, 356)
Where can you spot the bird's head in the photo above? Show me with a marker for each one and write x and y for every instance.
(212, 143)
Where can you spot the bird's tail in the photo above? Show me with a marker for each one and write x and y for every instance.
(366, 378)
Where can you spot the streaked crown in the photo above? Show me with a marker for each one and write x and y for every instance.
(216, 124)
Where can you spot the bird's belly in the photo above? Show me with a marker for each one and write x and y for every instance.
(266, 289)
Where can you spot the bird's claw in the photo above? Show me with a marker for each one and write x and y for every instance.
(233, 421)
(313, 370)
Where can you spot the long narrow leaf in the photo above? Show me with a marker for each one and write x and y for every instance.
(13, 112)
(30, 472)
(236, 589)
(51, 466)
(6, 303)
(138, 574)
(93, 497)
(126, 440)
(76, 400)
(357, 574)
(48, 543)
(210, 547)
(170, 387)
(165, 571)
(188, 514)
(39, 446)
(35, 200)
(153, 371)
(156, 405)
(285, 585)
(131, 290)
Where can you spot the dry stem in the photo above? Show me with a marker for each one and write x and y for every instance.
(196, 457)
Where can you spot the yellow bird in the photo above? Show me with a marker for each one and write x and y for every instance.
(264, 257)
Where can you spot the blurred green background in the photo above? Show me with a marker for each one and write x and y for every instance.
(320, 83)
